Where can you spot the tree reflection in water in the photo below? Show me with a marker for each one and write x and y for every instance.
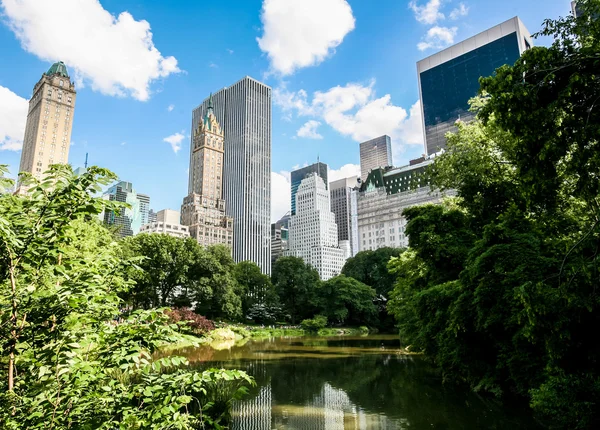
(350, 383)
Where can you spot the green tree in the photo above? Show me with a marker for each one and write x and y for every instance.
(499, 286)
(344, 300)
(164, 267)
(370, 268)
(254, 287)
(214, 288)
(295, 283)
(66, 363)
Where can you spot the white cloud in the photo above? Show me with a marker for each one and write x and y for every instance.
(212, 65)
(429, 13)
(115, 55)
(302, 33)
(175, 141)
(346, 171)
(13, 117)
(354, 110)
(309, 130)
(171, 107)
(230, 50)
(461, 10)
(281, 194)
(123, 143)
(438, 38)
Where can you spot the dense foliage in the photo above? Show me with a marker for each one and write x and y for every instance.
(196, 324)
(499, 287)
(346, 301)
(370, 268)
(296, 284)
(69, 356)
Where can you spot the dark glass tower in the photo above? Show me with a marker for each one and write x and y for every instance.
(297, 175)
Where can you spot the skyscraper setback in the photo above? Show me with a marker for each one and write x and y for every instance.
(244, 112)
(296, 177)
(49, 122)
(448, 79)
(203, 210)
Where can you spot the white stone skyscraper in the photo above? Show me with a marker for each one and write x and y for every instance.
(244, 112)
(313, 233)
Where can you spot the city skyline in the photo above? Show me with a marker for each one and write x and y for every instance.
(124, 116)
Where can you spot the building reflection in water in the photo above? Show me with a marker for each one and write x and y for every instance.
(331, 409)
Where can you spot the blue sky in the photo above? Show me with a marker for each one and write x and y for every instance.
(341, 72)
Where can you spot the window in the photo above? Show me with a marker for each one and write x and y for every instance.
(61, 83)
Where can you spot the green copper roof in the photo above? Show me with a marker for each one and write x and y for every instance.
(208, 112)
(58, 69)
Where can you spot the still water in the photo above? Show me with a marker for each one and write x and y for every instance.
(348, 383)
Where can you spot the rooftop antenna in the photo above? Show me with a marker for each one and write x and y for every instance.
(86, 157)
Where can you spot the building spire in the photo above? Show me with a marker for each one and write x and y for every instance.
(210, 102)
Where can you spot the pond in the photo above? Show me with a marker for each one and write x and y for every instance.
(349, 383)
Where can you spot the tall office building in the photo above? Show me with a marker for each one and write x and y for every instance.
(313, 233)
(244, 112)
(49, 122)
(203, 210)
(448, 79)
(144, 207)
(375, 153)
(127, 220)
(298, 175)
(340, 192)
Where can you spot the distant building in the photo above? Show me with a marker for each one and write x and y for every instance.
(448, 79)
(375, 153)
(298, 175)
(128, 220)
(279, 237)
(203, 210)
(244, 112)
(383, 197)
(313, 233)
(144, 207)
(340, 192)
(49, 122)
(167, 222)
(576, 9)
(152, 216)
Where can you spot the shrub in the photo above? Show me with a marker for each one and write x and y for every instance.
(196, 323)
(315, 324)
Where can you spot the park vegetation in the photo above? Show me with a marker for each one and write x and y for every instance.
(499, 287)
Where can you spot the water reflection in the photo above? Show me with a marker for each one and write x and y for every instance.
(348, 383)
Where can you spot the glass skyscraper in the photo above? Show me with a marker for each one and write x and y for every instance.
(244, 112)
(128, 220)
(448, 79)
(297, 175)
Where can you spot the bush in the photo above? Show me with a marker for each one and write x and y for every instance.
(196, 323)
(315, 324)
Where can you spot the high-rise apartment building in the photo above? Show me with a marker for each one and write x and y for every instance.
(167, 222)
(448, 79)
(313, 233)
(49, 122)
(383, 197)
(244, 112)
(203, 210)
(341, 192)
(298, 175)
(127, 220)
(375, 153)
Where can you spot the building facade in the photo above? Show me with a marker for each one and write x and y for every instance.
(375, 153)
(279, 238)
(296, 177)
(340, 192)
(313, 232)
(166, 222)
(244, 112)
(383, 197)
(127, 220)
(448, 79)
(203, 209)
(49, 122)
